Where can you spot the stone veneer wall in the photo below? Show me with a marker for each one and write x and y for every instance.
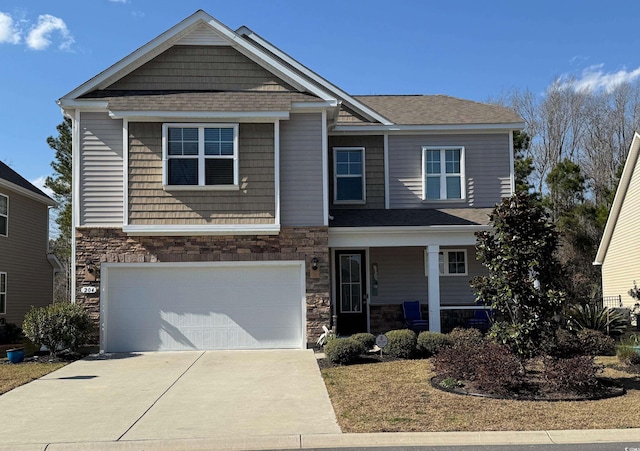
(98, 245)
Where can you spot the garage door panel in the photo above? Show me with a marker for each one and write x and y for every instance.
(172, 307)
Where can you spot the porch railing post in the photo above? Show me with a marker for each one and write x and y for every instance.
(433, 251)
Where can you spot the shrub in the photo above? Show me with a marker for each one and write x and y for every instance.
(458, 362)
(470, 336)
(430, 343)
(564, 344)
(628, 355)
(574, 374)
(342, 351)
(367, 341)
(10, 333)
(589, 316)
(402, 343)
(58, 326)
(596, 343)
(498, 370)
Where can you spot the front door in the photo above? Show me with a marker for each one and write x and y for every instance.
(351, 289)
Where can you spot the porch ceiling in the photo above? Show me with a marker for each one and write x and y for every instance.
(415, 217)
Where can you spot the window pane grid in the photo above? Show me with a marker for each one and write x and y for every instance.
(349, 175)
(442, 174)
(350, 284)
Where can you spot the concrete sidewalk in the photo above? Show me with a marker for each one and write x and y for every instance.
(631, 438)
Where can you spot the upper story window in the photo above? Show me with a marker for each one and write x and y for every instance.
(443, 173)
(348, 175)
(3, 292)
(451, 262)
(200, 155)
(4, 215)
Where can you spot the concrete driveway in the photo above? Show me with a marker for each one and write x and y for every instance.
(171, 396)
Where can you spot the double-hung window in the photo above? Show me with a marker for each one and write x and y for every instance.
(4, 215)
(443, 173)
(3, 292)
(200, 155)
(451, 262)
(349, 176)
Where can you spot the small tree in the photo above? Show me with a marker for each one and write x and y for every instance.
(522, 284)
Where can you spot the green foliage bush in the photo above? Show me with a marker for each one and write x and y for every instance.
(469, 336)
(589, 316)
(10, 333)
(628, 355)
(402, 343)
(342, 351)
(575, 374)
(366, 340)
(58, 326)
(430, 343)
(596, 343)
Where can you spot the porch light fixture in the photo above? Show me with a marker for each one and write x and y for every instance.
(314, 263)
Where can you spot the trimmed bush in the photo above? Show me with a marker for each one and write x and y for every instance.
(498, 370)
(342, 351)
(367, 341)
(402, 343)
(458, 362)
(576, 374)
(58, 326)
(564, 344)
(430, 343)
(596, 343)
(459, 336)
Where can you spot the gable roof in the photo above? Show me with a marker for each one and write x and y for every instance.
(14, 181)
(439, 110)
(618, 200)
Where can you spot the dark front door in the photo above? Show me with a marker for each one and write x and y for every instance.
(351, 289)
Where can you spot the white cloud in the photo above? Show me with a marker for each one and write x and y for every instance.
(8, 31)
(38, 38)
(39, 183)
(119, 1)
(594, 78)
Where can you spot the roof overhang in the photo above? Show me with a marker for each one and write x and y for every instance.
(27, 193)
(436, 128)
(618, 200)
(404, 236)
(239, 116)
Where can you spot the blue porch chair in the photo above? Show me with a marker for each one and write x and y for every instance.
(413, 316)
(481, 320)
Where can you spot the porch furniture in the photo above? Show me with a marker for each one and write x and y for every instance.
(413, 316)
(481, 320)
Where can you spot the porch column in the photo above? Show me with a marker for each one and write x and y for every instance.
(433, 251)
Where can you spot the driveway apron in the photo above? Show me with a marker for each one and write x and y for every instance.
(172, 396)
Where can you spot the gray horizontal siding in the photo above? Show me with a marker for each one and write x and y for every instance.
(487, 169)
(401, 277)
(101, 173)
(23, 256)
(301, 170)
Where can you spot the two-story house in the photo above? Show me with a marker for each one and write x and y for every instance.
(226, 196)
(26, 267)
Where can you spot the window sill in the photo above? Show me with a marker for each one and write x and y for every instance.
(349, 202)
(443, 201)
(201, 188)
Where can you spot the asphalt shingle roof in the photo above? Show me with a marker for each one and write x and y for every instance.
(437, 110)
(8, 174)
(409, 217)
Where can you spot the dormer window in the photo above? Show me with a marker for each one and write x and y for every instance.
(200, 155)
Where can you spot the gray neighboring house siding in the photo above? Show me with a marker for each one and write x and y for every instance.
(401, 277)
(301, 170)
(487, 169)
(101, 171)
(23, 256)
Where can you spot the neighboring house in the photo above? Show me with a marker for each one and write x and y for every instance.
(619, 251)
(225, 196)
(26, 267)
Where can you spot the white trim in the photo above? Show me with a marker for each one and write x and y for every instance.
(234, 116)
(376, 129)
(125, 172)
(201, 157)
(445, 255)
(5, 235)
(325, 171)
(83, 103)
(333, 278)
(276, 169)
(354, 237)
(386, 170)
(512, 174)
(75, 204)
(205, 229)
(443, 173)
(433, 252)
(347, 99)
(6, 289)
(104, 284)
(27, 193)
(618, 200)
(313, 107)
(336, 201)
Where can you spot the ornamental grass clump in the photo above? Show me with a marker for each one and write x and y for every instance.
(401, 343)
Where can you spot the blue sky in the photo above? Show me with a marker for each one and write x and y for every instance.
(469, 49)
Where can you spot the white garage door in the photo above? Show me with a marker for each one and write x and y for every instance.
(174, 306)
